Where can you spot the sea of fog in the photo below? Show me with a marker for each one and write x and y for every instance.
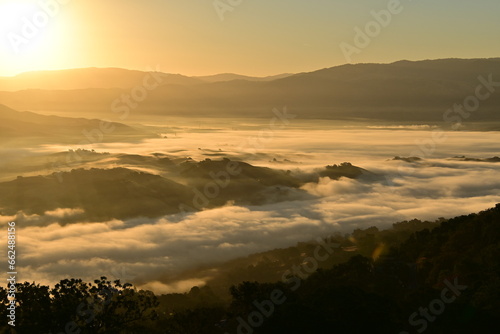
(150, 252)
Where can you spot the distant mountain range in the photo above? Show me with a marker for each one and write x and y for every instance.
(401, 91)
(83, 78)
(231, 76)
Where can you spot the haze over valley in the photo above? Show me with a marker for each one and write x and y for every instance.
(250, 167)
(235, 183)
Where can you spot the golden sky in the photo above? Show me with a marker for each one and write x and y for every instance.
(252, 37)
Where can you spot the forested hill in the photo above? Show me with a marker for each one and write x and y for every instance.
(382, 285)
(432, 277)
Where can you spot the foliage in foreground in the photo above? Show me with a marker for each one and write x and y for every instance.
(376, 289)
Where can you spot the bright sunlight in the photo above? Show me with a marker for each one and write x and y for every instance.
(33, 34)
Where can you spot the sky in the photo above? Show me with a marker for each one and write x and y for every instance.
(258, 37)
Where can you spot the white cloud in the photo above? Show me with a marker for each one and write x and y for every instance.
(152, 252)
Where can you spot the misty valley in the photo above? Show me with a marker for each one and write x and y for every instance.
(161, 203)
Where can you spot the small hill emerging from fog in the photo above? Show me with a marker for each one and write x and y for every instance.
(464, 158)
(101, 193)
(124, 193)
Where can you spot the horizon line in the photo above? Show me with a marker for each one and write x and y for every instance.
(240, 74)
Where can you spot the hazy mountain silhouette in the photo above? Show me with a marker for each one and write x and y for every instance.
(401, 91)
(83, 78)
(232, 76)
(18, 126)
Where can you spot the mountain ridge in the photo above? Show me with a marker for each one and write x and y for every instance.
(401, 91)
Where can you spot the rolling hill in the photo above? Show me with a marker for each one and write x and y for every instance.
(126, 192)
(22, 126)
(401, 91)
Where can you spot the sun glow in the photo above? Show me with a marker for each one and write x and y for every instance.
(32, 34)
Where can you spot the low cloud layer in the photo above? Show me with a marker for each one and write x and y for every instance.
(153, 252)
